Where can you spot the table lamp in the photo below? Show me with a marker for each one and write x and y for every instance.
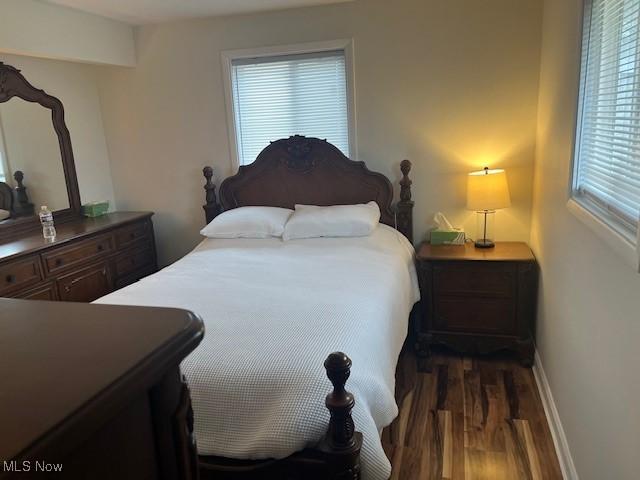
(487, 191)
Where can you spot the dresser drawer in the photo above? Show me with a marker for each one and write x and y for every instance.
(84, 251)
(85, 285)
(474, 315)
(133, 260)
(42, 292)
(19, 274)
(134, 276)
(129, 235)
(495, 279)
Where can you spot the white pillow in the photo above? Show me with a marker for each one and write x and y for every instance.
(4, 214)
(310, 221)
(248, 222)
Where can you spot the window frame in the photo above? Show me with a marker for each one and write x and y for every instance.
(228, 56)
(5, 174)
(608, 226)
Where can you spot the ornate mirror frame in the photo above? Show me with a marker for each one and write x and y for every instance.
(13, 84)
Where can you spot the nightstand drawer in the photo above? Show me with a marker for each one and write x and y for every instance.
(494, 279)
(477, 300)
(474, 315)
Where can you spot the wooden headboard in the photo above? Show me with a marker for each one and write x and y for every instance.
(304, 170)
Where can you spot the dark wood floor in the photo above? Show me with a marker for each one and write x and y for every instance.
(470, 419)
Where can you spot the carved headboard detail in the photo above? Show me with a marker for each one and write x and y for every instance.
(304, 170)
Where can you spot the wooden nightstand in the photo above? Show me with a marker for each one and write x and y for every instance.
(478, 300)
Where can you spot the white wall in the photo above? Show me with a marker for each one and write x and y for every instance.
(38, 29)
(450, 85)
(76, 86)
(589, 310)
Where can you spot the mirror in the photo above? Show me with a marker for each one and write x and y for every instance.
(36, 159)
(29, 144)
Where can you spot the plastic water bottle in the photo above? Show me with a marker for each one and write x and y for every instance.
(46, 219)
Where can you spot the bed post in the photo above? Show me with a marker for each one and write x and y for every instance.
(212, 207)
(342, 443)
(404, 208)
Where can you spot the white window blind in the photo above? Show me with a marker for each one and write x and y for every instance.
(607, 171)
(279, 96)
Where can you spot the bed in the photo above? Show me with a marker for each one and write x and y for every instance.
(274, 309)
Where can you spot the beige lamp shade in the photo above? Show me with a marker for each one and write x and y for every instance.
(487, 190)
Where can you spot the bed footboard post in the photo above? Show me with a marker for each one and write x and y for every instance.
(342, 443)
(211, 207)
(404, 208)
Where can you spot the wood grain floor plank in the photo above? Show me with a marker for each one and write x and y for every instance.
(513, 399)
(406, 372)
(397, 431)
(476, 409)
(456, 405)
(403, 417)
(418, 419)
(517, 451)
(442, 386)
(475, 464)
(532, 410)
(467, 363)
(496, 413)
(488, 371)
(471, 418)
(411, 463)
(435, 448)
(524, 432)
(445, 426)
(497, 467)
(389, 449)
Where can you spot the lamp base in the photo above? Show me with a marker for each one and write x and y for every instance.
(484, 243)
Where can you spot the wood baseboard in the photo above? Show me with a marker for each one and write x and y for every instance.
(555, 425)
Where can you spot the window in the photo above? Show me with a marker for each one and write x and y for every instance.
(4, 170)
(606, 178)
(275, 95)
(3, 175)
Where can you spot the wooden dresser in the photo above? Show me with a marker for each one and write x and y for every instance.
(478, 300)
(89, 258)
(95, 391)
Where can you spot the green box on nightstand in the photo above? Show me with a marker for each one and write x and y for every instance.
(447, 237)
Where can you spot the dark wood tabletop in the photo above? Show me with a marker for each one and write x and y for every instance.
(503, 251)
(58, 358)
(34, 241)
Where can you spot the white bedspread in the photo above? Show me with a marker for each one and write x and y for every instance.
(273, 311)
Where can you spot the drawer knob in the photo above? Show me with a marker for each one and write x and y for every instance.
(58, 262)
(132, 235)
(10, 278)
(100, 248)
